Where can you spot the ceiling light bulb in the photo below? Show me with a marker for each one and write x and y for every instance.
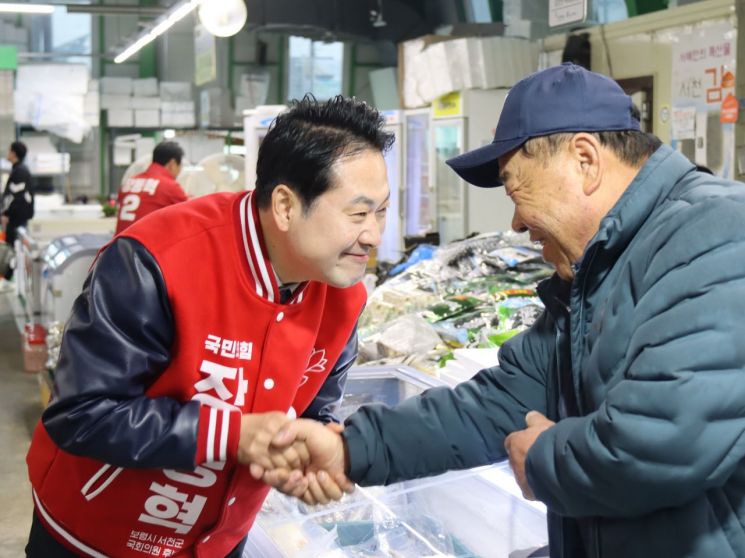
(223, 18)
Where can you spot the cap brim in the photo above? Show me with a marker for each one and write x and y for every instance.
(480, 167)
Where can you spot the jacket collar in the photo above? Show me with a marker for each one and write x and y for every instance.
(261, 272)
(653, 183)
(159, 171)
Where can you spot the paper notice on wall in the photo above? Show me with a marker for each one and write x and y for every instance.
(683, 123)
(702, 121)
(703, 77)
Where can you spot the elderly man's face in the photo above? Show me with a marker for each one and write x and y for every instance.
(549, 204)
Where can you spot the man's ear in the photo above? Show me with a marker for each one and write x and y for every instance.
(586, 150)
(284, 206)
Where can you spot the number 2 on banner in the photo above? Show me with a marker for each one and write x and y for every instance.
(130, 203)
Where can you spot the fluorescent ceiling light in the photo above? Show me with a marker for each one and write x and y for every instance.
(162, 24)
(26, 8)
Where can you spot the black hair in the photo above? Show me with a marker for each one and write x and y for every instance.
(303, 144)
(20, 149)
(166, 152)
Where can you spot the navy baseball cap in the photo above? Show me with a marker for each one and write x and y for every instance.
(565, 98)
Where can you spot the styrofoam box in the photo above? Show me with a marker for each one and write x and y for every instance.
(123, 118)
(146, 103)
(145, 87)
(170, 106)
(178, 119)
(109, 101)
(175, 91)
(147, 118)
(116, 85)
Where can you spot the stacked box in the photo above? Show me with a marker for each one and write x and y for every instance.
(177, 104)
(145, 87)
(147, 118)
(116, 86)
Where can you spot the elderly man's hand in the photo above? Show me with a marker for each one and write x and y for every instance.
(323, 480)
(518, 445)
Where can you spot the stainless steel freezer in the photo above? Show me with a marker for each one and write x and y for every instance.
(464, 514)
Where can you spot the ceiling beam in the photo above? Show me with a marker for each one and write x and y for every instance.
(115, 9)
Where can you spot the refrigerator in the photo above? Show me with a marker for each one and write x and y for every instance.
(255, 126)
(462, 121)
(420, 201)
(66, 262)
(391, 243)
(476, 513)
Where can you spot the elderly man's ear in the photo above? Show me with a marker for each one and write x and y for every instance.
(586, 150)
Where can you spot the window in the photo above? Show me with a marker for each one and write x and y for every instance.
(71, 32)
(315, 67)
(479, 11)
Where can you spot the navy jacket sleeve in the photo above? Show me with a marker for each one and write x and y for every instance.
(116, 343)
(325, 404)
(444, 428)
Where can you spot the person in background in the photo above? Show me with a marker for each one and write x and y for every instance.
(18, 196)
(623, 407)
(201, 330)
(153, 189)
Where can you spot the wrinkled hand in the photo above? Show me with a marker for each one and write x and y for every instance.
(255, 443)
(323, 479)
(518, 445)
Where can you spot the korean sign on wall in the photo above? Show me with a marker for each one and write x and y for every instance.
(704, 108)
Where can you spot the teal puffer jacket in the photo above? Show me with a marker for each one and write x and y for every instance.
(641, 360)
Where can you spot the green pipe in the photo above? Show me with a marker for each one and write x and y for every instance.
(352, 69)
(231, 61)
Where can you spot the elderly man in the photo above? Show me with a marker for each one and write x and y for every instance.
(623, 407)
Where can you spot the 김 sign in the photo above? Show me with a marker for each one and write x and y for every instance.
(730, 109)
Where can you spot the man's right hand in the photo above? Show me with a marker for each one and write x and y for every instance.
(255, 443)
(324, 479)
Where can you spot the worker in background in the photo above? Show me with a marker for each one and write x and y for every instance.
(200, 331)
(623, 407)
(18, 197)
(153, 189)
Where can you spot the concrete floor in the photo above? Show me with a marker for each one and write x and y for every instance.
(20, 408)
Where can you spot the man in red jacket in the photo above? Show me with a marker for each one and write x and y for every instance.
(201, 330)
(153, 189)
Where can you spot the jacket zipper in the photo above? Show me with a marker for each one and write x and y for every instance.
(580, 317)
(594, 536)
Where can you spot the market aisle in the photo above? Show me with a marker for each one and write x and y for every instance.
(20, 408)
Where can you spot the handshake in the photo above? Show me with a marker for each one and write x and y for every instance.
(302, 458)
